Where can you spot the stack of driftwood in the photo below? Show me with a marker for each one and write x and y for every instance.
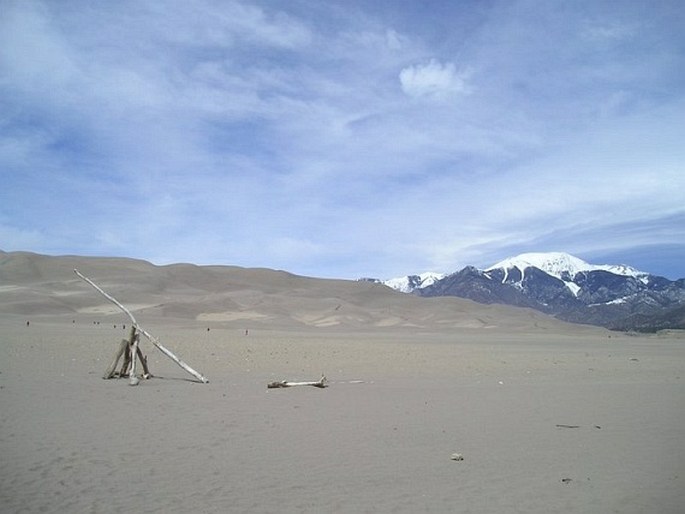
(130, 350)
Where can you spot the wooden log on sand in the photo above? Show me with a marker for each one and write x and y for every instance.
(323, 382)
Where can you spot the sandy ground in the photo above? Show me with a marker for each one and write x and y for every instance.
(547, 421)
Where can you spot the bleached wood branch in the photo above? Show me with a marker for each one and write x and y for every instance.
(111, 370)
(150, 337)
(143, 362)
(284, 383)
(132, 378)
(110, 298)
(173, 357)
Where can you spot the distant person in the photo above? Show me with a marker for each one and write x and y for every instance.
(27, 323)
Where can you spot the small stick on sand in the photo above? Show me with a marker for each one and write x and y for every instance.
(323, 382)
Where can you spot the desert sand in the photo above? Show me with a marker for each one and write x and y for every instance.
(549, 417)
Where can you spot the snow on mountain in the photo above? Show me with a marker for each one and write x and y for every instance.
(412, 282)
(613, 296)
(562, 266)
(557, 264)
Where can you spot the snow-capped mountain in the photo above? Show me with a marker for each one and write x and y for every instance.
(613, 296)
(560, 265)
(411, 283)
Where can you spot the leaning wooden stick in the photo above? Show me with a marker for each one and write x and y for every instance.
(110, 372)
(132, 378)
(150, 337)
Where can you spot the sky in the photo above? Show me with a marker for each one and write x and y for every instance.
(344, 139)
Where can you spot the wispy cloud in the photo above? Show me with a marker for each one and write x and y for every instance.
(330, 140)
(433, 80)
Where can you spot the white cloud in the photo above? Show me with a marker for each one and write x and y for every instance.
(608, 31)
(433, 80)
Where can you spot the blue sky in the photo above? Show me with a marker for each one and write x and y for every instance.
(344, 138)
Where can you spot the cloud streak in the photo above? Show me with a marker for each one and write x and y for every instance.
(433, 80)
(330, 140)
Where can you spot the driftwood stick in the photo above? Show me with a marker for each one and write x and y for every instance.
(173, 357)
(284, 383)
(126, 363)
(132, 334)
(143, 362)
(111, 369)
(133, 379)
(149, 336)
(125, 350)
(110, 298)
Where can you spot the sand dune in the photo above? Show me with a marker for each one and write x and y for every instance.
(549, 417)
(38, 285)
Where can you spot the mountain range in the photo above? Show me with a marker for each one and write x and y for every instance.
(617, 297)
